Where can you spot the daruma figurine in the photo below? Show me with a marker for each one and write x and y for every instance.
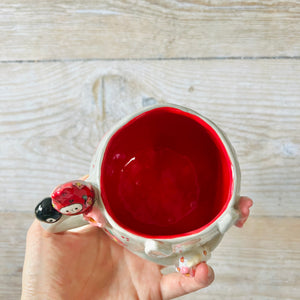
(164, 183)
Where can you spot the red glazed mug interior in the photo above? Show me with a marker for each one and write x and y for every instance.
(165, 174)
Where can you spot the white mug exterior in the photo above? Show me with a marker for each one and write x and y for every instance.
(166, 251)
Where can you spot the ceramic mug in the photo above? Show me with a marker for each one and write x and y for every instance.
(164, 183)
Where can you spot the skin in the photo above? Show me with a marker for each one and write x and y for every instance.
(87, 264)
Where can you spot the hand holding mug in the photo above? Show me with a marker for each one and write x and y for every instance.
(87, 264)
(164, 183)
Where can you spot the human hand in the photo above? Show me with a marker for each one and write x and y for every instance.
(87, 264)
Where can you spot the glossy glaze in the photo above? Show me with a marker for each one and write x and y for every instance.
(165, 173)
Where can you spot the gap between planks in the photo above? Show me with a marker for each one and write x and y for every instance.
(154, 59)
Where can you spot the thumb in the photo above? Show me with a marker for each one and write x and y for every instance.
(176, 284)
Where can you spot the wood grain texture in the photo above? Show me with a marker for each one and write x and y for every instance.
(54, 114)
(70, 69)
(260, 261)
(126, 29)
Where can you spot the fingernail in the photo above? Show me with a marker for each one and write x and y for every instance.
(210, 273)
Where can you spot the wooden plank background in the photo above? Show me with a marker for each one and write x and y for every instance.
(38, 30)
(71, 69)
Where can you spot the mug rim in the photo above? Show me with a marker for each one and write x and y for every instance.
(95, 176)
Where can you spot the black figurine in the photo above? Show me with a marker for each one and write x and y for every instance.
(45, 212)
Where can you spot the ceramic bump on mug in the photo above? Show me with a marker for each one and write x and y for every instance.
(163, 183)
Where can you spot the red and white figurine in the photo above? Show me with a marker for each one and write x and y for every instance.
(77, 197)
(73, 198)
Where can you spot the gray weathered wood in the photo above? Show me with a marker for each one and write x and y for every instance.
(54, 114)
(38, 30)
(71, 69)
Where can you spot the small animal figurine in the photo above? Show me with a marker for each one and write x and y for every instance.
(45, 211)
(77, 197)
(187, 264)
(73, 198)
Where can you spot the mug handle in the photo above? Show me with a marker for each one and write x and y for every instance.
(63, 222)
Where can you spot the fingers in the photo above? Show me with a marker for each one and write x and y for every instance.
(244, 207)
(175, 284)
(33, 232)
